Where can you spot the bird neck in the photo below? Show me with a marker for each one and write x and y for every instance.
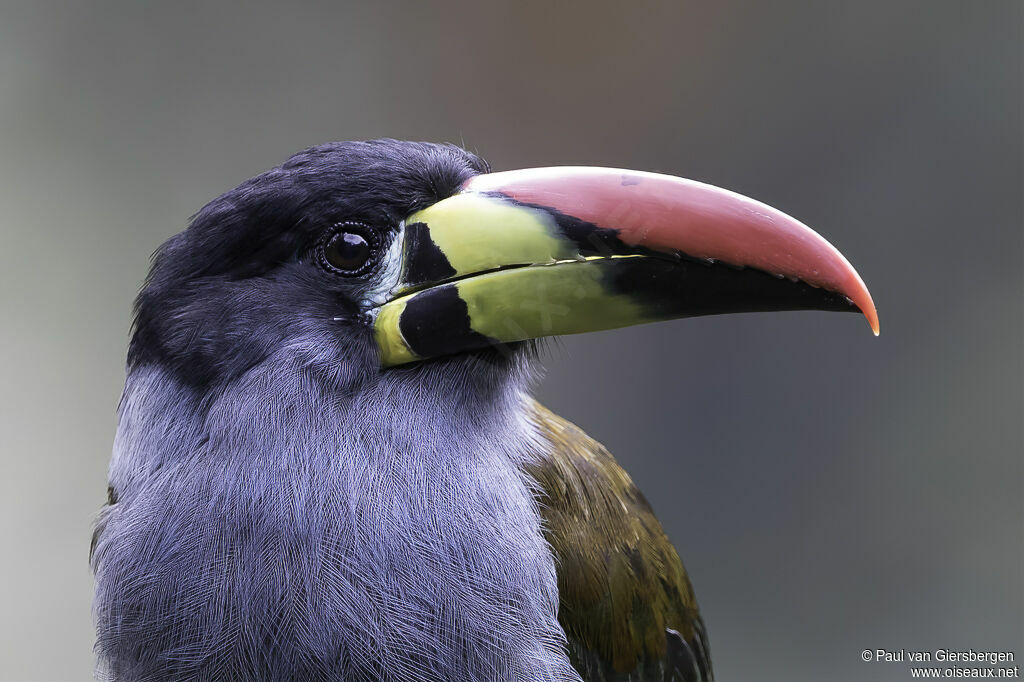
(392, 525)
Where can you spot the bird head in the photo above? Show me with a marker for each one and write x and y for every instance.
(366, 257)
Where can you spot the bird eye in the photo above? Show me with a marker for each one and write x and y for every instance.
(347, 249)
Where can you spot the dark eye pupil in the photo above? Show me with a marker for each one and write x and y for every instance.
(347, 251)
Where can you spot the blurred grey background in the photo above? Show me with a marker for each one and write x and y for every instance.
(830, 492)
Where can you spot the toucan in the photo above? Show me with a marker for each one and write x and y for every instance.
(328, 464)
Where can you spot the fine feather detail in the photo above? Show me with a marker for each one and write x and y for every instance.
(626, 603)
(280, 531)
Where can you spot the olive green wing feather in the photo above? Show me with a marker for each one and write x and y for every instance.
(626, 603)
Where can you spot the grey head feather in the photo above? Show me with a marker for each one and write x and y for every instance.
(282, 508)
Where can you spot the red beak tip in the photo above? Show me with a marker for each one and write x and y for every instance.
(872, 316)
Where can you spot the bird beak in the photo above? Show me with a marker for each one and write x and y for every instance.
(540, 252)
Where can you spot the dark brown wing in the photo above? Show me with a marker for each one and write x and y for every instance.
(626, 603)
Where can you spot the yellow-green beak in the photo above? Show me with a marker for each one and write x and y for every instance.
(542, 252)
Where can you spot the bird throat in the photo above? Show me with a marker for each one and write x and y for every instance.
(281, 530)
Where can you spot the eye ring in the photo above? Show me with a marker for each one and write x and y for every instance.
(348, 249)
